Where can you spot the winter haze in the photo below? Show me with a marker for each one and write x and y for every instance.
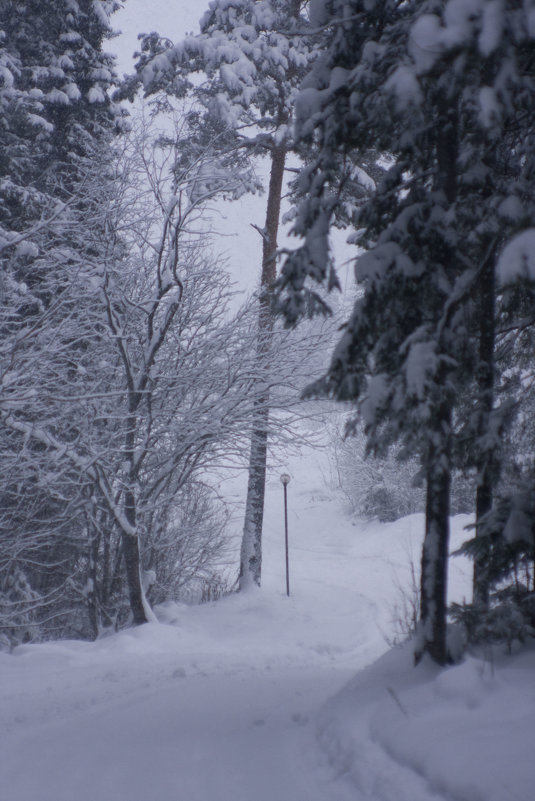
(179, 620)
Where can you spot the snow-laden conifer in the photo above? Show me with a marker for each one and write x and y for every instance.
(444, 89)
(251, 57)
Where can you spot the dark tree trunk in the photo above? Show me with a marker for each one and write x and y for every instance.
(486, 462)
(434, 578)
(92, 594)
(132, 562)
(135, 590)
(251, 550)
(105, 562)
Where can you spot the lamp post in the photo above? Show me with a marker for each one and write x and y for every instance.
(285, 480)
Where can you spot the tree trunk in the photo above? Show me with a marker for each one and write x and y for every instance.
(434, 579)
(132, 562)
(251, 550)
(486, 462)
(92, 594)
(135, 590)
(132, 558)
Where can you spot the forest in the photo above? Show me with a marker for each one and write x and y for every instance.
(128, 371)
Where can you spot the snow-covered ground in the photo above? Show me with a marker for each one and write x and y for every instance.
(255, 697)
(264, 697)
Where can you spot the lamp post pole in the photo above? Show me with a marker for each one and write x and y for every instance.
(285, 480)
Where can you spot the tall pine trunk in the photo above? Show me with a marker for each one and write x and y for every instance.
(251, 549)
(486, 461)
(434, 577)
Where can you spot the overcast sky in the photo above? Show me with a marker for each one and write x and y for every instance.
(239, 242)
(172, 18)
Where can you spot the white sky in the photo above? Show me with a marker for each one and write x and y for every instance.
(172, 18)
(239, 243)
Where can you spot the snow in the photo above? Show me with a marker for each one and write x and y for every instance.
(376, 395)
(318, 12)
(100, 12)
(365, 180)
(404, 85)
(96, 95)
(491, 31)
(517, 260)
(490, 109)
(72, 91)
(421, 364)
(425, 44)
(461, 19)
(175, 18)
(511, 208)
(531, 21)
(518, 528)
(255, 696)
(373, 265)
(7, 77)
(39, 122)
(239, 221)
(71, 37)
(27, 249)
(58, 97)
(459, 733)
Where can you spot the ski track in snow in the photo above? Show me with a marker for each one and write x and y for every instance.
(220, 701)
(194, 733)
(230, 700)
(235, 736)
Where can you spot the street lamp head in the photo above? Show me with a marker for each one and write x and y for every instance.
(285, 479)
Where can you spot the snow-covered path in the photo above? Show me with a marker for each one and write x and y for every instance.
(234, 736)
(219, 702)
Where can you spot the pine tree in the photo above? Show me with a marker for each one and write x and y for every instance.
(57, 124)
(253, 54)
(423, 82)
(57, 113)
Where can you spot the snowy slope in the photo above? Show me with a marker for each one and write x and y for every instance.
(463, 733)
(230, 700)
(265, 697)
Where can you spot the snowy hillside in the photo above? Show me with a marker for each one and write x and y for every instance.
(133, 383)
(229, 700)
